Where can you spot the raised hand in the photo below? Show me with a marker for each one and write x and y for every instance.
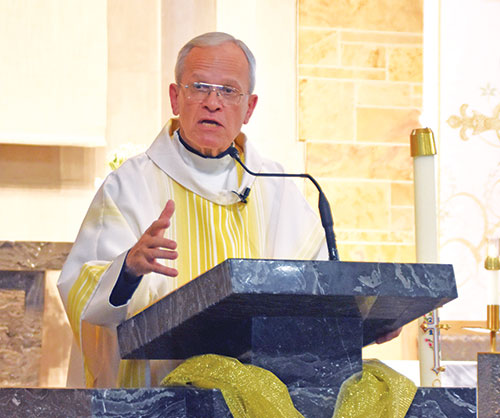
(142, 257)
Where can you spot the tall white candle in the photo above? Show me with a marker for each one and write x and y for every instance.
(426, 233)
(493, 248)
(423, 150)
(493, 288)
(492, 266)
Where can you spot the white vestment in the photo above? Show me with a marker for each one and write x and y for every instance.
(209, 224)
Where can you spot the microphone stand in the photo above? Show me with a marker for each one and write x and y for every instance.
(325, 212)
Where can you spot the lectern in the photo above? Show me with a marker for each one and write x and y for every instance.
(305, 321)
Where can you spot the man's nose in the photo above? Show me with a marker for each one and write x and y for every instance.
(213, 100)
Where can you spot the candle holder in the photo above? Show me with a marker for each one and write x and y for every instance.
(492, 264)
(492, 323)
(492, 326)
(422, 142)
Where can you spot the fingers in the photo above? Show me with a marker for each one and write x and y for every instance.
(168, 210)
(152, 264)
(157, 227)
(158, 242)
(163, 221)
(165, 270)
(151, 246)
(163, 254)
(141, 261)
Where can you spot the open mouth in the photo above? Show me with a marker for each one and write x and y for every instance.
(209, 122)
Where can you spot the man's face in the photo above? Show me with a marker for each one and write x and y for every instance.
(211, 125)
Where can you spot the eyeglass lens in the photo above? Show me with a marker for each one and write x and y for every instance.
(199, 91)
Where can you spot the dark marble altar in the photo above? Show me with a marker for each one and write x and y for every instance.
(22, 283)
(305, 321)
(194, 403)
(117, 403)
(443, 403)
(212, 313)
(488, 385)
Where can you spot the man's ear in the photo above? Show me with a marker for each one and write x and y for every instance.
(173, 91)
(252, 102)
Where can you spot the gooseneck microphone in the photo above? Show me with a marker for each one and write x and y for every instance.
(325, 212)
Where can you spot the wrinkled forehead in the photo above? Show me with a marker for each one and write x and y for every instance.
(220, 64)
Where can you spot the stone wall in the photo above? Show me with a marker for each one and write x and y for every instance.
(35, 337)
(360, 95)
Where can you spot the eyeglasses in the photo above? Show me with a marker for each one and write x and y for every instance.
(198, 91)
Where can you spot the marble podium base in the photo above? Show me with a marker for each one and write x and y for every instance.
(195, 403)
(123, 403)
(443, 403)
(488, 388)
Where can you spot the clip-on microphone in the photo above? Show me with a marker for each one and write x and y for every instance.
(243, 196)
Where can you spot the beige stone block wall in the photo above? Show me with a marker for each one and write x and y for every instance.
(360, 95)
(375, 15)
(335, 99)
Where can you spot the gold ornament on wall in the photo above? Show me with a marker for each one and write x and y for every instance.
(478, 122)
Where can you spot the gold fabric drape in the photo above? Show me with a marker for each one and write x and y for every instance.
(253, 392)
(249, 391)
(377, 392)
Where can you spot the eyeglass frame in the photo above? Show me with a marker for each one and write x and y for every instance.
(216, 88)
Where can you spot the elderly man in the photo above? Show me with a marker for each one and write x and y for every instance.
(135, 245)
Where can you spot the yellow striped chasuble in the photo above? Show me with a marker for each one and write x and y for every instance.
(276, 222)
(206, 234)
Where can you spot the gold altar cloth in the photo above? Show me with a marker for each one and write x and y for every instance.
(249, 391)
(253, 392)
(377, 392)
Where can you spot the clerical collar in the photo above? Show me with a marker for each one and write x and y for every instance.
(194, 151)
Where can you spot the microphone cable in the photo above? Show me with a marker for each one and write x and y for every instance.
(325, 212)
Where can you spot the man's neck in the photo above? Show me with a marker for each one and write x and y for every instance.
(195, 151)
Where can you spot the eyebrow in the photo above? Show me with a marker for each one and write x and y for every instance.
(229, 82)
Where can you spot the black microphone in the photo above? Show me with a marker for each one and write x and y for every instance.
(325, 212)
(243, 196)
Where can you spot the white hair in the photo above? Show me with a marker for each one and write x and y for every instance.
(215, 39)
